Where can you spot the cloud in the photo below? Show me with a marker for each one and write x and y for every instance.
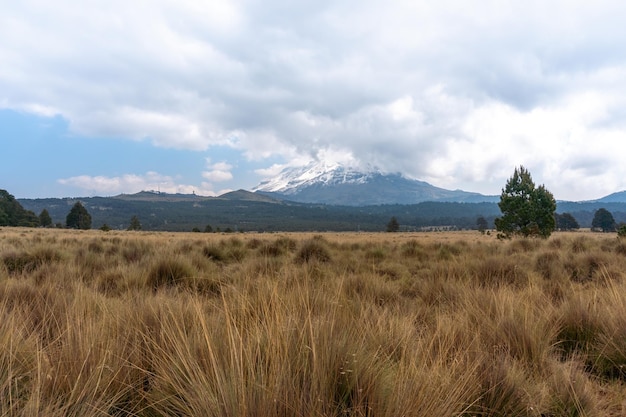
(218, 172)
(132, 183)
(449, 92)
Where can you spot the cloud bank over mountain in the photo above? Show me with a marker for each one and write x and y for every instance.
(453, 93)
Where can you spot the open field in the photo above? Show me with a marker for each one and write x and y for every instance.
(427, 324)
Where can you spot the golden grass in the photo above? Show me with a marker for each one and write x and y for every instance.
(428, 324)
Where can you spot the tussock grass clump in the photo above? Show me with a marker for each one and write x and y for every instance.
(28, 261)
(169, 273)
(548, 264)
(377, 254)
(214, 253)
(271, 249)
(17, 263)
(503, 389)
(278, 247)
(136, 250)
(580, 326)
(224, 253)
(413, 249)
(499, 271)
(313, 250)
(446, 251)
(579, 245)
(524, 244)
(587, 267)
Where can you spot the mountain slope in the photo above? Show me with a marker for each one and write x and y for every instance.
(618, 197)
(325, 183)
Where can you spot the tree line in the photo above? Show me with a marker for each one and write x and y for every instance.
(525, 209)
(13, 214)
(528, 210)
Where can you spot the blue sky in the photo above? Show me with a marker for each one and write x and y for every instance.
(46, 158)
(103, 98)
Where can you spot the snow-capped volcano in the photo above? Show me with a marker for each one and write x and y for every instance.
(333, 183)
(294, 179)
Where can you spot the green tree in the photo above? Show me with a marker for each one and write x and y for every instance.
(208, 229)
(566, 222)
(393, 225)
(134, 223)
(603, 221)
(44, 219)
(482, 224)
(78, 217)
(526, 210)
(13, 214)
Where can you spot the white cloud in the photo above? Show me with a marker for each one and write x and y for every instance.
(217, 175)
(133, 183)
(218, 172)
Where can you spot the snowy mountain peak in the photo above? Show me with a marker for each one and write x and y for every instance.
(333, 183)
(319, 173)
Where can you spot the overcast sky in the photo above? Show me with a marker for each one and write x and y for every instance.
(100, 98)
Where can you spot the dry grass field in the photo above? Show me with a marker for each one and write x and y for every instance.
(428, 324)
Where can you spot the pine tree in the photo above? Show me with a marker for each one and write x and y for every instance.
(526, 210)
(134, 223)
(44, 219)
(482, 224)
(78, 217)
(393, 225)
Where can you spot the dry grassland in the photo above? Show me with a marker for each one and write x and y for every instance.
(436, 324)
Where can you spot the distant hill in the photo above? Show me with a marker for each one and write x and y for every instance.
(243, 195)
(156, 196)
(329, 183)
(619, 197)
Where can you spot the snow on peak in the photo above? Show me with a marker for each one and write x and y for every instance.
(292, 179)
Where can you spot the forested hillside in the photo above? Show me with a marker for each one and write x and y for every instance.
(13, 214)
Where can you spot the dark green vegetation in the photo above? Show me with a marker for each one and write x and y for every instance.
(145, 324)
(565, 222)
(13, 214)
(526, 210)
(244, 211)
(603, 221)
(78, 217)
